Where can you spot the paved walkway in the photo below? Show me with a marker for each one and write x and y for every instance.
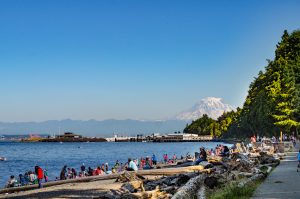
(283, 182)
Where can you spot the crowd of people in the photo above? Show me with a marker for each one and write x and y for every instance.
(284, 138)
(39, 175)
(131, 165)
(29, 178)
(219, 150)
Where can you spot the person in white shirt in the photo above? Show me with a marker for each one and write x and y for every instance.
(11, 182)
(131, 165)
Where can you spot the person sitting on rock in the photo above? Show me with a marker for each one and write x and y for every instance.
(131, 165)
(12, 182)
(117, 164)
(22, 180)
(147, 164)
(202, 156)
(225, 152)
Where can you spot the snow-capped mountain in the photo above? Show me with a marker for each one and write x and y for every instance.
(212, 106)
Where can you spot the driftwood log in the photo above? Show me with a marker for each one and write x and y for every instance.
(251, 179)
(165, 172)
(173, 171)
(156, 193)
(60, 182)
(201, 193)
(190, 189)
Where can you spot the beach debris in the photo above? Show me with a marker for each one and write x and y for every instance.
(211, 182)
(265, 158)
(190, 189)
(129, 176)
(133, 186)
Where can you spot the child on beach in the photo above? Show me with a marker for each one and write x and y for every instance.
(46, 175)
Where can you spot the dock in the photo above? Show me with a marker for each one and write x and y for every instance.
(180, 137)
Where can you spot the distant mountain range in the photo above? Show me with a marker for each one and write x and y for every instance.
(212, 106)
(105, 128)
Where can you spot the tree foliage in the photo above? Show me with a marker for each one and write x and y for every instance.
(273, 101)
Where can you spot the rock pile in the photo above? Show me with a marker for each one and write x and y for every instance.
(239, 167)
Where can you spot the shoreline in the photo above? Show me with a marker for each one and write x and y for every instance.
(169, 170)
(239, 165)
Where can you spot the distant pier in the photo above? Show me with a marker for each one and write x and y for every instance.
(165, 138)
(175, 137)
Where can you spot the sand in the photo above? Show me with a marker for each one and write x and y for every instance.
(72, 190)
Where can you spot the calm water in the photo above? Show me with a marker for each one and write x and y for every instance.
(22, 157)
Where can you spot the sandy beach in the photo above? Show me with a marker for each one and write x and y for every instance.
(73, 190)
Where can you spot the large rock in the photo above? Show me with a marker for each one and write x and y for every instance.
(206, 164)
(267, 159)
(211, 182)
(180, 180)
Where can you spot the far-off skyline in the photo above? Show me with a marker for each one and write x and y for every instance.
(132, 59)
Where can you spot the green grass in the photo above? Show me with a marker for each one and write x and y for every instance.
(233, 192)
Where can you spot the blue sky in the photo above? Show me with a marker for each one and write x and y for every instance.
(132, 59)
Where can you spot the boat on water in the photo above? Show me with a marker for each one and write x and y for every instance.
(2, 158)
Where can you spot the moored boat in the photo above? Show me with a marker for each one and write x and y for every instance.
(2, 158)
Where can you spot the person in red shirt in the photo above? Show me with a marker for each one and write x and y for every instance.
(98, 171)
(40, 175)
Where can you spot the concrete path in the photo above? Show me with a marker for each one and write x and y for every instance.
(283, 182)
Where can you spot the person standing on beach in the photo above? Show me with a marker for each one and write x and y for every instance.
(74, 173)
(154, 160)
(106, 168)
(40, 175)
(166, 158)
(82, 169)
(174, 158)
(63, 173)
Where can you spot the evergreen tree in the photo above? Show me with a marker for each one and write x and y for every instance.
(273, 101)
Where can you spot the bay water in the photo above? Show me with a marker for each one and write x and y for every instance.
(22, 157)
